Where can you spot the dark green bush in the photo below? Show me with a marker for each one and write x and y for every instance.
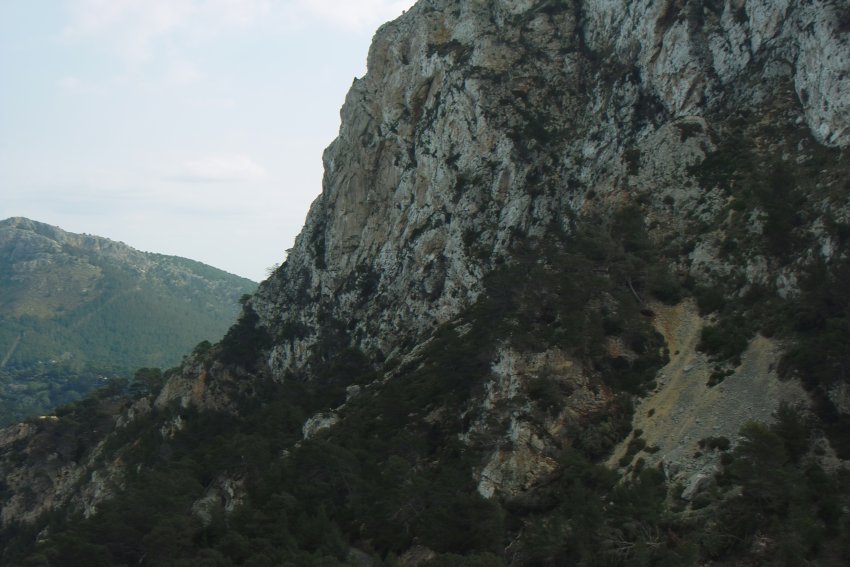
(245, 341)
(727, 340)
(711, 443)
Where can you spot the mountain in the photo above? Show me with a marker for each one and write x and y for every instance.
(575, 292)
(76, 309)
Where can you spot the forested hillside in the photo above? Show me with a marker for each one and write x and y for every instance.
(76, 310)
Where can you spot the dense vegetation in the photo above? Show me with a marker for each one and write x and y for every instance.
(384, 491)
(72, 317)
(783, 199)
(37, 389)
(397, 475)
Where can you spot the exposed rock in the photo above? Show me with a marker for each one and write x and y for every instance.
(523, 457)
(41, 472)
(518, 467)
(222, 496)
(686, 409)
(211, 387)
(696, 484)
(138, 409)
(416, 556)
(318, 423)
(351, 392)
(839, 394)
(434, 175)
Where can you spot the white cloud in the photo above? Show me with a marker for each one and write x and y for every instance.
(183, 72)
(131, 26)
(230, 13)
(221, 168)
(76, 86)
(135, 27)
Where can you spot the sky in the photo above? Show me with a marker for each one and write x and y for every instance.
(185, 127)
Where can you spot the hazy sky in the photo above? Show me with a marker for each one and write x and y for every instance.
(186, 127)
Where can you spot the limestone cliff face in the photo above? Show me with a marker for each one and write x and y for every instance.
(480, 124)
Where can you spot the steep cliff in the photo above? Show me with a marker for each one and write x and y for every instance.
(488, 123)
(565, 254)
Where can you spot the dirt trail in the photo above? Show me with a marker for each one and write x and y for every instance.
(683, 409)
(11, 351)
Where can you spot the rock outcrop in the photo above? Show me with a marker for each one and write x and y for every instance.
(486, 123)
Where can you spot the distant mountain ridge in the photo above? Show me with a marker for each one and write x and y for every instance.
(90, 304)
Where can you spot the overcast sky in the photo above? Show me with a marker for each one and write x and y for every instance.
(185, 127)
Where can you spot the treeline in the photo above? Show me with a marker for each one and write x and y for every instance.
(39, 388)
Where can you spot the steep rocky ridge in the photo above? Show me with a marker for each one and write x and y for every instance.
(551, 235)
(490, 122)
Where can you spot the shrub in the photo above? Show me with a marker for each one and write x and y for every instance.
(711, 443)
(725, 341)
(245, 340)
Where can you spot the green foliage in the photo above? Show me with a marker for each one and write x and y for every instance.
(783, 203)
(759, 466)
(636, 444)
(548, 393)
(123, 327)
(712, 443)
(794, 506)
(727, 340)
(303, 509)
(688, 130)
(146, 382)
(245, 341)
(598, 521)
(733, 162)
(632, 158)
(551, 295)
(100, 319)
(820, 321)
(38, 389)
(709, 299)
(472, 560)
(793, 430)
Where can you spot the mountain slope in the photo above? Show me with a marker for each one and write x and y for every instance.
(560, 244)
(74, 308)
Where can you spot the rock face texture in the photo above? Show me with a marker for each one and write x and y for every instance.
(553, 235)
(482, 124)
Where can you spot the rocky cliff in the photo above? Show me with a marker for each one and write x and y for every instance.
(488, 123)
(574, 292)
